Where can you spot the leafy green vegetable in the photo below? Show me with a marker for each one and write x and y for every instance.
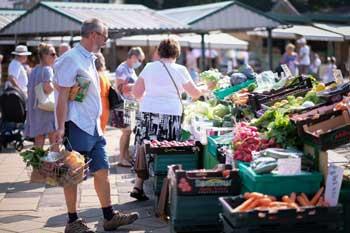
(32, 157)
(312, 96)
(221, 110)
(210, 75)
(283, 131)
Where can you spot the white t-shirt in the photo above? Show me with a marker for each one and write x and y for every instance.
(160, 93)
(16, 70)
(78, 62)
(304, 51)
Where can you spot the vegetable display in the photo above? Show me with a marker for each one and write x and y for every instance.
(246, 140)
(260, 202)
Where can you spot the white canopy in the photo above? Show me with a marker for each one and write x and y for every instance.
(214, 41)
(337, 28)
(309, 32)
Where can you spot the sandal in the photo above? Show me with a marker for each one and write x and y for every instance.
(125, 163)
(139, 195)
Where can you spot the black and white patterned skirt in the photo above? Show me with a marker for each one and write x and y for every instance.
(154, 126)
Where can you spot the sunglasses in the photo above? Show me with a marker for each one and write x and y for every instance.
(105, 38)
(53, 54)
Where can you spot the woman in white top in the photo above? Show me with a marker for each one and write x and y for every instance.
(160, 105)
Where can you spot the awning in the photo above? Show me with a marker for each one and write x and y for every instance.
(225, 16)
(343, 30)
(214, 41)
(307, 31)
(65, 19)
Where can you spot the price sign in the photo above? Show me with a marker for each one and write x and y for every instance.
(333, 184)
(286, 70)
(338, 76)
(290, 166)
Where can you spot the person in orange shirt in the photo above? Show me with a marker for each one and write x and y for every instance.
(104, 86)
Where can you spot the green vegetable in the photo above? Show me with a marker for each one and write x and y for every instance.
(283, 131)
(32, 157)
(210, 75)
(202, 108)
(312, 96)
(252, 87)
(221, 110)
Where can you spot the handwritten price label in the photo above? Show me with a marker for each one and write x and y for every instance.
(333, 184)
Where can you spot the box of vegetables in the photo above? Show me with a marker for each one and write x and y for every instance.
(294, 213)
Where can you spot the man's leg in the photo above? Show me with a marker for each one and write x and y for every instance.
(70, 193)
(99, 167)
(102, 187)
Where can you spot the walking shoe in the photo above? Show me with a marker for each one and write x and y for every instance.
(119, 219)
(78, 226)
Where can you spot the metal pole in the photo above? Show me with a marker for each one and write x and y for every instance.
(203, 52)
(269, 47)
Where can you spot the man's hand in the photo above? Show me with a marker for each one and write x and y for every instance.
(58, 136)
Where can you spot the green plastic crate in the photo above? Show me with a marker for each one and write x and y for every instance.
(213, 144)
(195, 213)
(158, 183)
(344, 199)
(278, 185)
(223, 93)
(188, 161)
(210, 161)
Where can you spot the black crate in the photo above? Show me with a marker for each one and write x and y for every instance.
(280, 228)
(311, 219)
(258, 100)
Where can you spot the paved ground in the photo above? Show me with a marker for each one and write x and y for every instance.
(35, 208)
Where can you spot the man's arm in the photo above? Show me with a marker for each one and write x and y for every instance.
(13, 81)
(61, 112)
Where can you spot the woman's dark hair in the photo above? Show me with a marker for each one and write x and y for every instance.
(169, 48)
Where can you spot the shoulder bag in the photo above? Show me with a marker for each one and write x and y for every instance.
(177, 91)
(43, 101)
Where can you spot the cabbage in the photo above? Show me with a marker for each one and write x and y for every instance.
(202, 108)
(210, 76)
(220, 111)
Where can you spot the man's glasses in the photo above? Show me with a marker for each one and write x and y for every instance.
(105, 38)
(53, 54)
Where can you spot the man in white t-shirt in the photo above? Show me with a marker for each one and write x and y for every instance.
(17, 74)
(304, 56)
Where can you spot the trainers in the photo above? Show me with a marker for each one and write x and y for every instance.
(119, 219)
(78, 226)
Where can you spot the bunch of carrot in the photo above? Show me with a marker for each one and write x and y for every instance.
(259, 201)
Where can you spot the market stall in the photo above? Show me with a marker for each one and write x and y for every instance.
(259, 153)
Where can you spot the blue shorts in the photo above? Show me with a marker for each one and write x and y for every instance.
(93, 147)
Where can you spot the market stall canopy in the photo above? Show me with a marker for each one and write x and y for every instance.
(224, 16)
(214, 41)
(343, 30)
(63, 18)
(6, 17)
(309, 32)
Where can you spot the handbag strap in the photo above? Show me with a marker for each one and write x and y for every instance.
(173, 81)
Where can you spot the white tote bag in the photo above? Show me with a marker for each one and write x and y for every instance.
(43, 101)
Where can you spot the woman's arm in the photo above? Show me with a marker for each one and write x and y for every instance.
(48, 87)
(138, 89)
(194, 91)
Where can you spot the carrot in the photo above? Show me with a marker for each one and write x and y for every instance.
(264, 202)
(320, 201)
(252, 205)
(278, 204)
(286, 199)
(272, 198)
(302, 201)
(317, 196)
(244, 205)
(246, 195)
(293, 197)
(253, 194)
(306, 199)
